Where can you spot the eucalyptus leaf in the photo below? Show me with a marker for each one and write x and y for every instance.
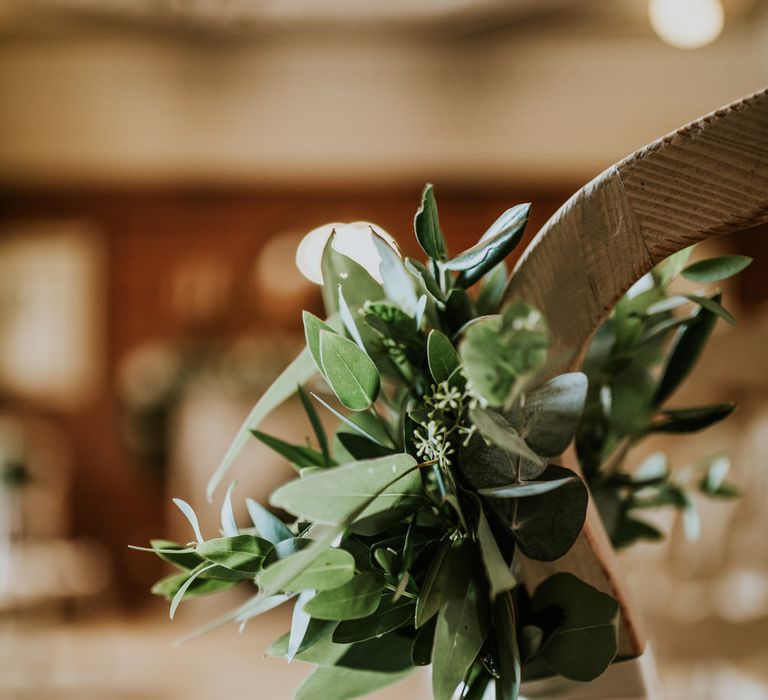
(332, 495)
(331, 569)
(350, 372)
(357, 598)
(317, 426)
(716, 269)
(505, 626)
(298, 455)
(442, 356)
(182, 559)
(390, 653)
(428, 282)
(312, 327)
(426, 224)
(338, 269)
(433, 590)
(185, 586)
(398, 283)
(586, 641)
(494, 427)
(242, 553)
(348, 320)
(228, 522)
(298, 372)
(333, 683)
(500, 576)
(169, 586)
(268, 526)
(387, 617)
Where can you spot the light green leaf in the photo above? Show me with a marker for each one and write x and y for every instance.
(331, 569)
(333, 495)
(189, 514)
(300, 620)
(398, 283)
(357, 598)
(350, 372)
(716, 269)
(713, 306)
(312, 327)
(387, 617)
(298, 372)
(585, 643)
(243, 553)
(349, 322)
(184, 587)
(357, 284)
(333, 683)
(441, 355)
(462, 626)
(269, 526)
(496, 243)
(228, 522)
(426, 224)
(428, 282)
(670, 268)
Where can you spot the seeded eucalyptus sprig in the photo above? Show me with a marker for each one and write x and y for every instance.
(408, 524)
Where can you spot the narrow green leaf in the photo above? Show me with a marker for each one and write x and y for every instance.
(691, 420)
(585, 642)
(189, 514)
(670, 268)
(300, 620)
(426, 224)
(268, 526)
(298, 455)
(362, 448)
(228, 522)
(713, 306)
(298, 372)
(184, 587)
(331, 569)
(333, 683)
(333, 495)
(499, 574)
(421, 651)
(428, 282)
(242, 553)
(350, 372)
(716, 269)
(348, 320)
(352, 424)
(357, 598)
(433, 593)
(169, 586)
(492, 290)
(505, 626)
(441, 355)
(462, 626)
(317, 426)
(182, 559)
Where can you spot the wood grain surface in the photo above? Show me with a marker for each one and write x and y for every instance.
(706, 179)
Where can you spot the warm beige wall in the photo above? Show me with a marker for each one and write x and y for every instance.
(150, 108)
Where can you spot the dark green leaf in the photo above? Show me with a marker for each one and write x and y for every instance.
(716, 269)
(350, 372)
(496, 243)
(546, 526)
(495, 428)
(505, 626)
(687, 348)
(428, 282)
(442, 356)
(333, 568)
(316, 638)
(242, 553)
(332, 683)
(421, 652)
(330, 496)
(492, 291)
(297, 455)
(690, 420)
(360, 447)
(433, 591)
(268, 526)
(629, 530)
(317, 425)
(585, 642)
(181, 560)
(169, 586)
(388, 617)
(427, 226)
(357, 598)
(500, 577)
(390, 653)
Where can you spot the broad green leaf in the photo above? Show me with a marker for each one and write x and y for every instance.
(317, 425)
(228, 522)
(268, 526)
(312, 327)
(496, 243)
(169, 586)
(433, 591)
(189, 514)
(243, 553)
(686, 350)
(495, 428)
(350, 372)
(525, 489)
(331, 569)
(357, 284)
(332, 683)
(183, 559)
(462, 626)
(546, 526)
(387, 617)
(585, 642)
(552, 413)
(331, 496)
(499, 574)
(398, 283)
(390, 653)
(716, 269)
(298, 455)
(713, 306)
(357, 598)
(442, 356)
(300, 620)
(426, 224)
(691, 420)
(298, 372)
(505, 626)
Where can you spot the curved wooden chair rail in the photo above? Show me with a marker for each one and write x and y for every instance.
(705, 179)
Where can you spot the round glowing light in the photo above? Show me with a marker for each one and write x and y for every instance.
(687, 24)
(354, 240)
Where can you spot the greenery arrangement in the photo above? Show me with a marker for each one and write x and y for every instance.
(410, 525)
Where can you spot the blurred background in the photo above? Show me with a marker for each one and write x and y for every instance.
(160, 160)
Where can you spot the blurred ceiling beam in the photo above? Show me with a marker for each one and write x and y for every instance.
(542, 102)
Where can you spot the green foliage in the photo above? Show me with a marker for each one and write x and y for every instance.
(404, 533)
